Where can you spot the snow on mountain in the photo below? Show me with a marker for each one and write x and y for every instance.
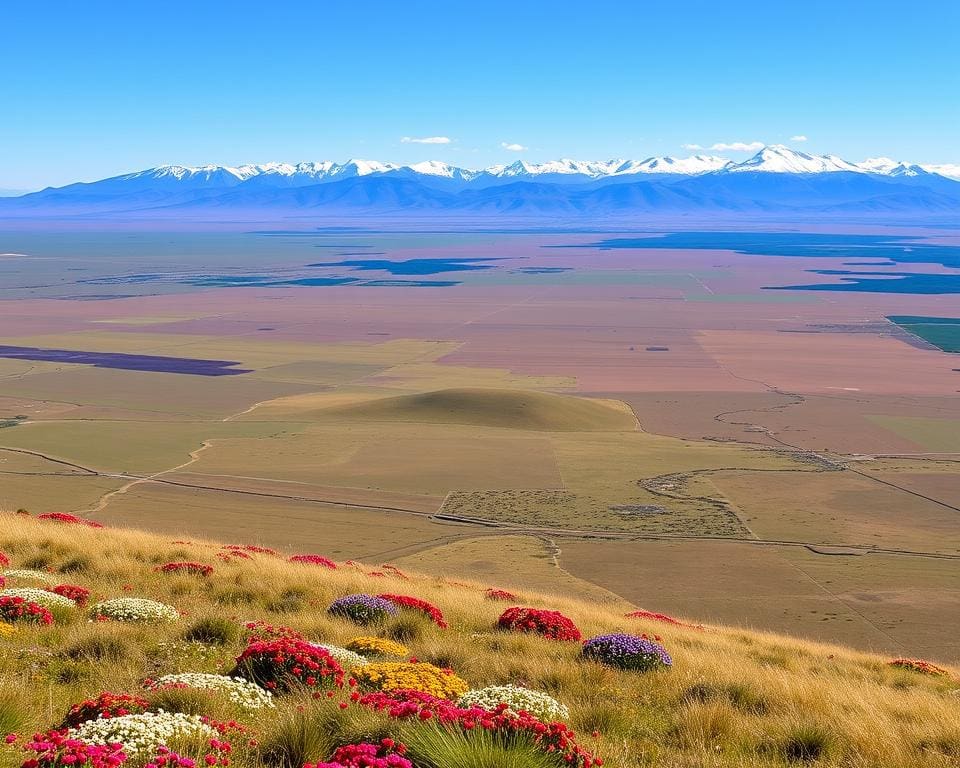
(521, 168)
(777, 158)
(950, 170)
(688, 166)
(887, 167)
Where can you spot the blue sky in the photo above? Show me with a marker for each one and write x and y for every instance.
(95, 88)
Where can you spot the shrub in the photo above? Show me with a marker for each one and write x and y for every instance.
(79, 595)
(4, 561)
(17, 609)
(627, 652)
(261, 630)
(144, 733)
(660, 617)
(243, 693)
(416, 604)
(344, 656)
(44, 597)
(200, 569)
(541, 705)
(919, 665)
(314, 560)
(6, 629)
(377, 646)
(550, 624)
(103, 706)
(65, 517)
(133, 610)
(363, 609)
(28, 574)
(552, 738)
(386, 754)
(279, 665)
(500, 594)
(408, 676)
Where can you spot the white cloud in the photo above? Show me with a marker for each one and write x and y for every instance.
(733, 146)
(512, 147)
(798, 137)
(426, 140)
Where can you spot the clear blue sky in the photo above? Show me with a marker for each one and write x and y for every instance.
(94, 88)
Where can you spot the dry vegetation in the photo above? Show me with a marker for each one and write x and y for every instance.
(732, 698)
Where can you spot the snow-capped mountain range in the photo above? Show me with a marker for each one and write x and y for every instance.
(771, 159)
(776, 179)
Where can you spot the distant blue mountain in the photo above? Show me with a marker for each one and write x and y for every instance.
(776, 180)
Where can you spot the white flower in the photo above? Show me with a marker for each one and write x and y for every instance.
(241, 692)
(40, 597)
(541, 705)
(26, 574)
(134, 609)
(142, 734)
(343, 656)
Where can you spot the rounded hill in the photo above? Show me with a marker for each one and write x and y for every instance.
(505, 408)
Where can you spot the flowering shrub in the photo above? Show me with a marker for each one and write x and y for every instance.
(6, 629)
(198, 568)
(392, 570)
(314, 560)
(377, 646)
(386, 754)
(250, 548)
(541, 705)
(660, 617)
(134, 610)
(500, 594)
(79, 595)
(416, 604)
(363, 609)
(28, 574)
(65, 517)
(241, 692)
(426, 678)
(105, 705)
(344, 657)
(919, 665)
(627, 652)
(43, 597)
(277, 665)
(550, 624)
(58, 749)
(550, 737)
(142, 733)
(4, 561)
(260, 630)
(14, 609)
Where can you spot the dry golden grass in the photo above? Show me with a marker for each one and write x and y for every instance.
(732, 698)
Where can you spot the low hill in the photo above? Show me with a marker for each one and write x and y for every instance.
(729, 697)
(506, 408)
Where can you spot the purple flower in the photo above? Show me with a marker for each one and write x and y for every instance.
(363, 609)
(627, 652)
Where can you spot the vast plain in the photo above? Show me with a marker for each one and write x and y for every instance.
(728, 426)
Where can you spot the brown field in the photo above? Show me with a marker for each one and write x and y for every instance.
(627, 427)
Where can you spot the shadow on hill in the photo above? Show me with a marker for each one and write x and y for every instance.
(505, 408)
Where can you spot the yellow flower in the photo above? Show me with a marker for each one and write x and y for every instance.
(6, 629)
(377, 646)
(426, 678)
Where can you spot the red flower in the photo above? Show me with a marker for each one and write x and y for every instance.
(79, 595)
(65, 517)
(198, 568)
(314, 560)
(500, 594)
(660, 617)
(105, 705)
(17, 609)
(416, 604)
(550, 624)
(278, 664)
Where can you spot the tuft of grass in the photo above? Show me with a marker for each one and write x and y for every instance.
(213, 630)
(98, 648)
(806, 742)
(437, 747)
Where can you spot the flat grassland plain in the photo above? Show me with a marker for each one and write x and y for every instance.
(731, 429)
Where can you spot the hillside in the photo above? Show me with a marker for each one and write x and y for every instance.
(506, 408)
(730, 697)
